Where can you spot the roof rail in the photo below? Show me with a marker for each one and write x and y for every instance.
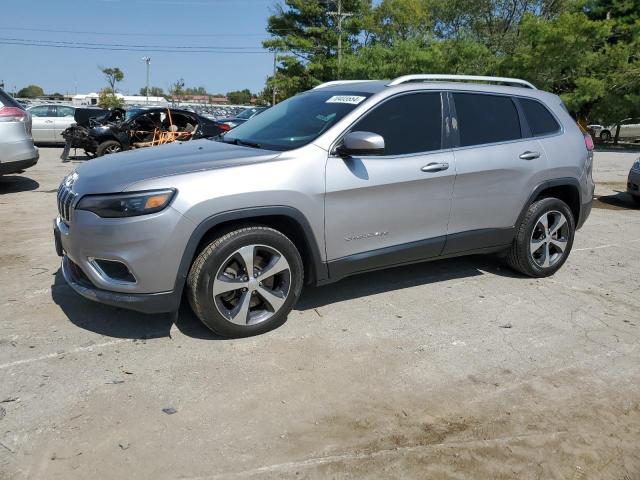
(340, 82)
(514, 82)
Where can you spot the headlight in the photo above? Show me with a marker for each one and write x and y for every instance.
(636, 166)
(127, 204)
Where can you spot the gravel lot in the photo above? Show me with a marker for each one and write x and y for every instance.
(451, 369)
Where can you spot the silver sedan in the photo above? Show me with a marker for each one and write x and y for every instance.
(49, 121)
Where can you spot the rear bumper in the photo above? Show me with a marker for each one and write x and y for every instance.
(18, 156)
(142, 302)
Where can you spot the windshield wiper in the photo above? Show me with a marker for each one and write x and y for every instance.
(246, 143)
(236, 141)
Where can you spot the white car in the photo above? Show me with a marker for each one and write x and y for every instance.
(629, 131)
(49, 121)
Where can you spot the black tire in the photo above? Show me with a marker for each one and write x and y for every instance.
(605, 136)
(211, 259)
(520, 257)
(636, 199)
(107, 147)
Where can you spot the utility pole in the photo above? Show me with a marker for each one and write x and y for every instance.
(340, 16)
(147, 60)
(275, 71)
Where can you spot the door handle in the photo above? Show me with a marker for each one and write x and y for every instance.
(529, 155)
(435, 167)
(48, 121)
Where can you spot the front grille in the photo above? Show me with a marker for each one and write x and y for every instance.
(65, 202)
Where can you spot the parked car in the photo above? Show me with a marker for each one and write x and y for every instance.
(633, 183)
(17, 151)
(143, 127)
(346, 178)
(242, 116)
(49, 121)
(629, 130)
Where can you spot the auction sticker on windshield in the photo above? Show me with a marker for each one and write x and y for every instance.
(350, 99)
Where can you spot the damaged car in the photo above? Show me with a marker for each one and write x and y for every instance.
(138, 128)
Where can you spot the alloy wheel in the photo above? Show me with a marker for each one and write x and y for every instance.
(252, 284)
(112, 149)
(549, 239)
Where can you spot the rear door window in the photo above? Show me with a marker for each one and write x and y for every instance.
(486, 119)
(408, 123)
(540, 120)
(65, 111)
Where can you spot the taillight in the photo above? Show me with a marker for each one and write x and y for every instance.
(588, 142)
(224, 127)
(13, 114)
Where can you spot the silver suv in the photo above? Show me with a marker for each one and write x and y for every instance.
(16, 143)
(346, 178)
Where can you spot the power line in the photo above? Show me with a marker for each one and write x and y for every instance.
(235, 52)
(47, 42)
(130, 34)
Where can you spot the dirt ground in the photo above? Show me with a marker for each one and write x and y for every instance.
(457, 369)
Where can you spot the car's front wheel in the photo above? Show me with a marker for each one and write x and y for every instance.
(605, 136)
(245, 282)
(107, 147)
(543, 239)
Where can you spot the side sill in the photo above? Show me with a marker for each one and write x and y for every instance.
(439, 248)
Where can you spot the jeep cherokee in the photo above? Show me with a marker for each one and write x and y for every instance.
(349, 177)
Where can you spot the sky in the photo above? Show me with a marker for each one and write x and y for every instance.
(229, 26)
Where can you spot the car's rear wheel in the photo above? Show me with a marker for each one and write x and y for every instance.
(245, 282)
(605, 136)
(108, 147)
(543, 239)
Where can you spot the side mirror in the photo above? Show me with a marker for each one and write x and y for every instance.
(361, 143)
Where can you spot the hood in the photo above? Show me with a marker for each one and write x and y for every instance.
(113, 173)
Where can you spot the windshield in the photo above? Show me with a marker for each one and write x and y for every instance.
(131, 113)
(296, 121)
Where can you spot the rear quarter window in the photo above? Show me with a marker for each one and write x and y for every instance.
(540, 120)
(486, 119)
(6, 100)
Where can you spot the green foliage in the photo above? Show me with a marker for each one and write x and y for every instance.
(108, 99)
(153, 91)
(32, 91)
(113, 75)
(239, 97)
(586, 51)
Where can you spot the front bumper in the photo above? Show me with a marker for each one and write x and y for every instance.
(633, 183)
(145, 303)
(150, 247)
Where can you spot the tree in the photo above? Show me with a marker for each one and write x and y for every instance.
(586, 51)
(307, 31)
(113, 75)
(32, 91)
(153, 91)
(108, 99)
(239, 97)
(176, 89)
(200, 91)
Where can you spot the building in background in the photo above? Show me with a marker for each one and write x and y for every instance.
(89, 99)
